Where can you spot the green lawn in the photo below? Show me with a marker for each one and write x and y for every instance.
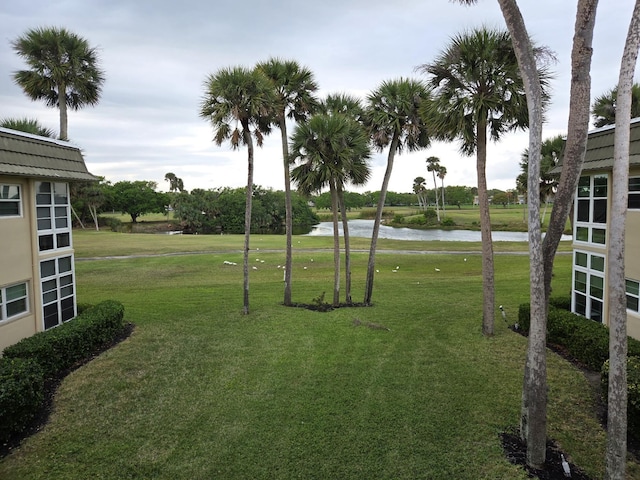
(200, 391)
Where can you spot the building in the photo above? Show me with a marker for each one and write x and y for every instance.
(37, 275)
(590, 229)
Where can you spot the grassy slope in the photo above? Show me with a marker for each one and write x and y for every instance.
(200, 391)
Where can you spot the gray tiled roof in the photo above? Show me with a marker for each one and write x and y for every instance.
(599, 154)
(28, 155)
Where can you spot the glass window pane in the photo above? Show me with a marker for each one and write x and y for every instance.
(633, 201)
(597, 263)
(633, 287)
(580, 283)
(68, 309)
(584, 189)
(600, 186)
(583, 211)
(581, 259)
(632, 303)
(12, 192)
(634, 184)
(49, 297)
(597, 284)
(9, 209)
(64, 264)
(580, 304)
(60, 193)
(50, 315)
(49, 285)
(596, 311)
(47, 268)
(63, 240)
(66, 291)
(16, 307)
(16, 291)
(66, 280)
(599, 236)
(45, 242)
(600, 211)
(582, 234)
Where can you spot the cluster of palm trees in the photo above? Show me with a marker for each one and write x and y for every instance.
(474, 93)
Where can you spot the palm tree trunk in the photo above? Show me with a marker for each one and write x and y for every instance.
(347, 248)
(368, 291)
(485, 229)
(617, 396)
(336, 244)
(443, 209)
(62, 105)
(288, 213)
(247, 214)
(435, 190)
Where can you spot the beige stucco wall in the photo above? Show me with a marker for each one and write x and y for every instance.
(17, 263)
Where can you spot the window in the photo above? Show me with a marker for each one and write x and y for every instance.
(588, 285)
(634, 193)
(13, 301)
(53, 216)
(10, 204)
(633, 295)
(591, 209)
(58, 291)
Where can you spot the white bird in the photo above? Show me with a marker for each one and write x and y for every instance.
(565, 467)
(398, 268)
(504, 315)
(305, 268)
(312, 260)
(394, 271)
(257, 259)
(465, 259)
(437, 269)
(377, 271)
(255, 268)
(261, 261)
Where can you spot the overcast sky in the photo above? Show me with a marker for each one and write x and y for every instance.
(156, 55)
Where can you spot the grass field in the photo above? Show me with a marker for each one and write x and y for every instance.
(200, 391)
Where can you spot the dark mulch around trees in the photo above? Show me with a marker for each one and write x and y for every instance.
(50, 387)
(516, 452)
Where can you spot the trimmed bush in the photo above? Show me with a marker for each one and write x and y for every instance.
(21, 394)
(60, 348)
(563, 303)
(633, 393)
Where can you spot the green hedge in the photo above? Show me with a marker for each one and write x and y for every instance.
(60, 348)
(21, 394)
(25, 365)
(633, 393)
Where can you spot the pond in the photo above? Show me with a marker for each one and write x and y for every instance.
(364, 228)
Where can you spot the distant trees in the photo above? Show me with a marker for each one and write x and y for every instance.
(135, 198)
(63, 70)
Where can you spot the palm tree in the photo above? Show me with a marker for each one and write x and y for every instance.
(442, 172)
(27, 125)
(344, 104)
(478, 91)
(419, 188)
(433, 165)
(175, 183)
(294, 86)
(550, 153)
(63, 70)
(331, 150)
(393, 117)
(603, 110)
(237, 102)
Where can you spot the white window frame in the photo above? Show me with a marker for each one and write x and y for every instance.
(5, 302)
(53, 216)
(633, 295)
(58, 290)
(586, 195)
(592, 275)
(4, 187)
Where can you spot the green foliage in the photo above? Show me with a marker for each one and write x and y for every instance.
(633, 393)
(27, 125)
(398, 218)
(21, 394)
(60, 348)
(448, 222)
(136, 198)
(563, 303)
(430, 216)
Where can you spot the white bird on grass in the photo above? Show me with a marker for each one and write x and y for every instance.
(437, 269)
(565, 467)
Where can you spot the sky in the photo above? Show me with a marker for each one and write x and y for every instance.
(156, 55)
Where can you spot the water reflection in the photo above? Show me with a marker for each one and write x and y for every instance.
(364, 228)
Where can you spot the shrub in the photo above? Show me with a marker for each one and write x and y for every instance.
(563, 303)
(398, 218)
(448, 222)
(633, 393)
(21, 394)
(430, 216)
(60, 348)
(114, 224)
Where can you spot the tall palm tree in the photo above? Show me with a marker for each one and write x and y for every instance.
(331, 151)
(550, 153)
(603, 110)
(479, 94)
(345, 104)
(294, 86)
(63, 70)
(393, 117)
(237, 102)
(433, 165)
(442, 172)
(27, 125)
(419, 189)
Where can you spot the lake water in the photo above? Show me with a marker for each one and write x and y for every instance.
(364, 228)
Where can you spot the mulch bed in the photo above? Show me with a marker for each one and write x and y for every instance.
(50, 387)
